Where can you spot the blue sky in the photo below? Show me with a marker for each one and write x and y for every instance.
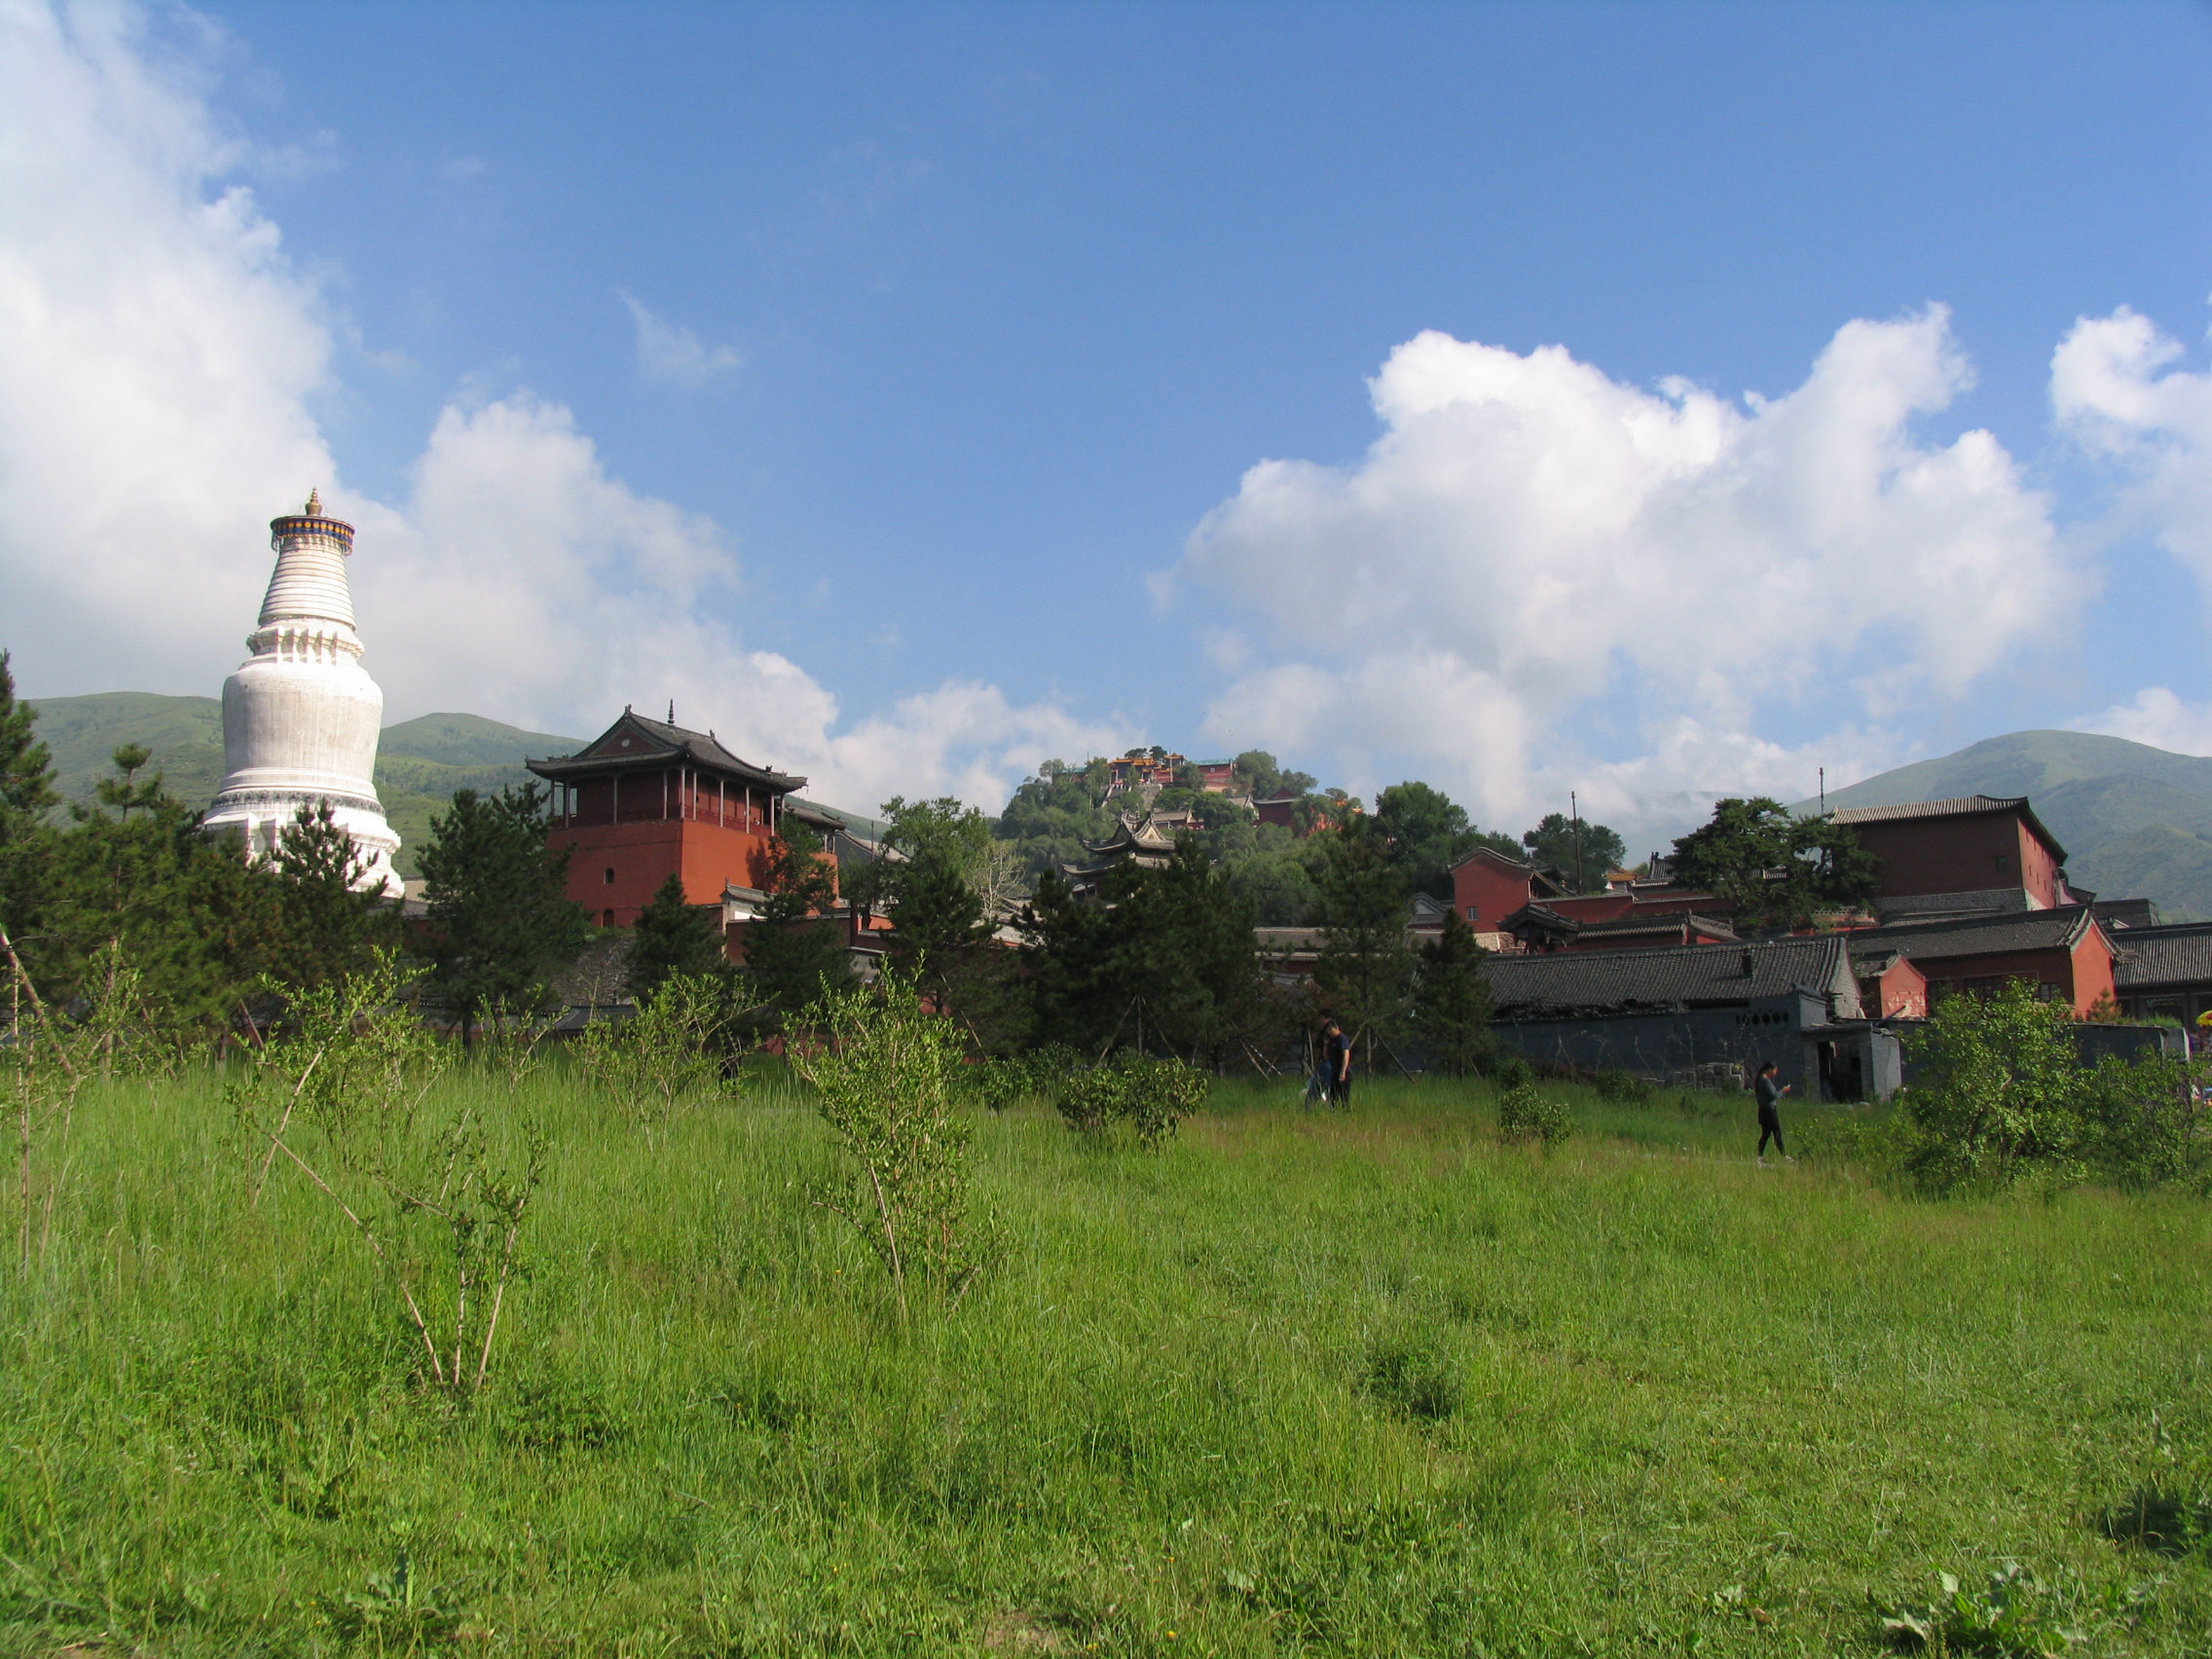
(869, 371)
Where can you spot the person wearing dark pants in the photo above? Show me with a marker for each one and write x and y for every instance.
(1336, 1065)
(1770, 1093)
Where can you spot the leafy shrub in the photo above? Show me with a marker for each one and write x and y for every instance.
(1526, 1113)
(1150, 1095)
(1997, 1093)
(669, 1056)
(2002, 1093)
(886, 1081)
(1510, 1070)
(343, 1094)
(1001, 1081)
(2148, 1124)
(1623, 1088)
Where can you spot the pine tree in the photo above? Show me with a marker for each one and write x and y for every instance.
(501, 922)
(139, 885)
(27, 793)
(1366, 967)
(674, 935)
(328, 928)
(794, 951)
(1452, 1000)
(1164, 966)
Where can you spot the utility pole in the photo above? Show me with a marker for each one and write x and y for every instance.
(1574, 807)
(1824, 792)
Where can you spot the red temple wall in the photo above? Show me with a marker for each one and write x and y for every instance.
(1959, 855)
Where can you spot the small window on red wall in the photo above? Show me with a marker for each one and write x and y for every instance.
(610, 876)
(606, 919)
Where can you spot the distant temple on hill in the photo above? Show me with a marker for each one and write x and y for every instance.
(301, 714)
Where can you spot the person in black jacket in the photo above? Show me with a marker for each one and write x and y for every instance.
(1770, 1093)
(1336, 1066)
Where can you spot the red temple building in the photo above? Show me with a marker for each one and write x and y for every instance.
(1965, 857)
(647, 801)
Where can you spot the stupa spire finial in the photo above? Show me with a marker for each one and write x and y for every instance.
(315, 503)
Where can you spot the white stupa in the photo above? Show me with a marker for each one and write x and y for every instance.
(301, 715)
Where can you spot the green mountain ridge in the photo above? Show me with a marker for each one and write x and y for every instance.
(419, 762)
(2136, 821)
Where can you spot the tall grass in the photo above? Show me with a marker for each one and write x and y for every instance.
(1364, 1382)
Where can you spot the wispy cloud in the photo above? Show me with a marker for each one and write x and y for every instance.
(669, 352)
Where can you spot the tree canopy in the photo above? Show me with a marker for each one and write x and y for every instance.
(1583, 857)
(1778, 869)
(501, 922)
(1425, 833)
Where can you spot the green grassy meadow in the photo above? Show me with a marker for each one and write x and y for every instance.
(1360, 1384)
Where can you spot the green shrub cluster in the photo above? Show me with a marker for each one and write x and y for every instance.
(1623, 1088)
(1509, 1070)
(886, 1081)
(1150, 1095)
(1001, 1081)
(1526, 1113)
(2002, 1095)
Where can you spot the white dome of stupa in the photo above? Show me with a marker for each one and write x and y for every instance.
(301, 715)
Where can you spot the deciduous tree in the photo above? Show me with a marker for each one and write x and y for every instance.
(1425, 833)
(1777, 869)
(1582, 855)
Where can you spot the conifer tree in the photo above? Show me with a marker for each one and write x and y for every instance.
(674, 935)
(795, 951)
(1452, 1001)
(138, 884)
(27, 793)
(501, 922)
(327, 927)
(1366, 968)
(1164, 966)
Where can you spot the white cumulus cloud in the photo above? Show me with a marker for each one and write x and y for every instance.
(159, 357)
(672, 354)
(2115, 390)
(1528, 534)
(2156, 715)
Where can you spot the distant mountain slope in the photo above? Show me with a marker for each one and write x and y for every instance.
(419, 762)
(2136, 821)
(471, 740)
(185, 734)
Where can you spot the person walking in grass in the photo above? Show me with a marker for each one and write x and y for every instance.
(1770, 1093)
(1336, 1065)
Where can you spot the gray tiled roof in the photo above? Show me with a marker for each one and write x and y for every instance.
(1979, 936)
(1959, 806)
(2174, 955)
(1667, 921)
(664, 741)
(1694, 975)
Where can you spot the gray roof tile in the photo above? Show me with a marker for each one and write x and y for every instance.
(1546, 984)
